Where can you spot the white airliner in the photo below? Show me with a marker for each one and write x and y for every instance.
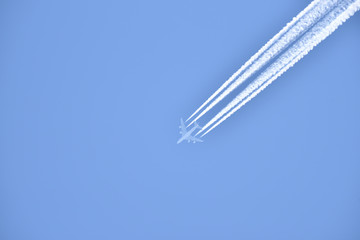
(186, 135)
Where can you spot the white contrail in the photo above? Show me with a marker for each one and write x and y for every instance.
(313, 37)
(298, 26)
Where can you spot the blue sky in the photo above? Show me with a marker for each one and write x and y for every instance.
(91, 94)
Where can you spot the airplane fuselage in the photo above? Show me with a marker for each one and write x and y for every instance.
(186, 135)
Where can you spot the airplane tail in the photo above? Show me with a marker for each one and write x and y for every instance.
(197, 125)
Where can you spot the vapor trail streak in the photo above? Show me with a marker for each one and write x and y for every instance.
(298, 26)
(305, 44)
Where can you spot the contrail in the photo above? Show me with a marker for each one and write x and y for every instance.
(298, 50)
(298, 26)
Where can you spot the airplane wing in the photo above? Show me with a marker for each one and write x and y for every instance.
(182, 127)
(194, 139)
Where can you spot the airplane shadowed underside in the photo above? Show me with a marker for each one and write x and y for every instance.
(186, 135)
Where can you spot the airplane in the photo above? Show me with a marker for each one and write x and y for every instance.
(186, 135)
